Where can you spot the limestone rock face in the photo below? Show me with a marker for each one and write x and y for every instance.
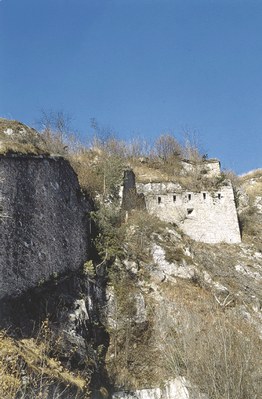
(179, 388)
(44, 227)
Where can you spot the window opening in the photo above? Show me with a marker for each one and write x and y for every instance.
(189, 197)
(174, 198)
(159, 200)
(204, 196)
(219, 196)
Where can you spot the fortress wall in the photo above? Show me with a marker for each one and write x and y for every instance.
(212, 167)
(209, 217)
(209, 167)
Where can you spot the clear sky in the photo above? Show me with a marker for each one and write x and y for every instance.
(140, 67)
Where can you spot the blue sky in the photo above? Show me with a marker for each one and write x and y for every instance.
(140, 67)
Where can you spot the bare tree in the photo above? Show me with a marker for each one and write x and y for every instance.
(167, 147)
(56, 129)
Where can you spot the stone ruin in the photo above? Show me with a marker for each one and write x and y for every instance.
(208, 216)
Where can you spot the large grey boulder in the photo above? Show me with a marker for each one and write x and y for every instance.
(44, 225)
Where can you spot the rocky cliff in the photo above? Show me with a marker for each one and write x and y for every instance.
(44, 226)
(152, 314)
(48, 300)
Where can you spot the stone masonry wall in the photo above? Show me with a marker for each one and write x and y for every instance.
(44, 226)
(208, 167)
(205, 216)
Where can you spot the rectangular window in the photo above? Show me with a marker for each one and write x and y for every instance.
(174, 198)
(204, 196)
(219, 196)
(159, 200)
(189, 197)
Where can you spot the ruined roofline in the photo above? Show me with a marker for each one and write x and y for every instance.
(207, 161)
(210, 167)
(173, 187)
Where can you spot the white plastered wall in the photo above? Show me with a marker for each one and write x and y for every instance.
(206, 216)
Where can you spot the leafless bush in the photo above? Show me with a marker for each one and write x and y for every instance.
(141, 225)
(138, 150)
(57, 133)
(167, 148)
(215, 353)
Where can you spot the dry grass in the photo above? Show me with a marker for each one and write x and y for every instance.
(254, 190)
(214, 351)
(207, 344)
(147, 174)
(20, 148)
(126, 367)
(85, 164)
(140, 228)
(25, 365)
(250, 217)
(252, 184)
(16, 137)
(255, 174)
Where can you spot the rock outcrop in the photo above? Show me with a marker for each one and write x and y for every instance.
(44, 225)
(178, 388)
(16, 137)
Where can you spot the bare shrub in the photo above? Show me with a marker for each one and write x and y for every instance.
(191, 148)
(57, 132)
(140, 228)
(216, 353)
(129, 335)
(167, 147)
(84, 163)
(250, 223)
(166, 154)
(138, 150)
(111, 234)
